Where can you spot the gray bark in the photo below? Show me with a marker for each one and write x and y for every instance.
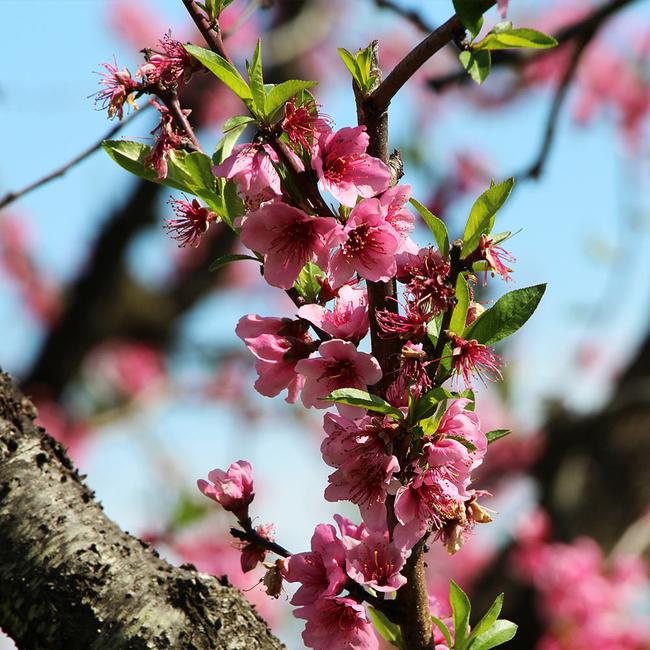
(70, 578)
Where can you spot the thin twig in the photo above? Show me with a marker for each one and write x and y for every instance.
(210, 31)
(10, 197)
(408, 14)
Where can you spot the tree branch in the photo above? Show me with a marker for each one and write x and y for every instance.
(70, 578)
(408, 14)
(211, 32)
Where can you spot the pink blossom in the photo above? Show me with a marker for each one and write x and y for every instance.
(168, 66)
(375, 562)
(303, 124)
(459, 422)
(503, 7)
(368, 248)
(340, 623)
(192, 220)
(394, 201)
(289, 238)
(348, 320)
(252, 554)
(119, 88)
(339, 365)
(232, 489)
(250, 166)
(425, 278)
(345, 170)
(495, 256)
(167, 140)
(359, 449)
(472, 357)
(278, 344)
(321, 570)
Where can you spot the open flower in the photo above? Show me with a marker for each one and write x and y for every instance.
(337, 364)
(118, 89)
(289, 238)
(394, 201)
(192, 220)
(344, 168)
(304, 125)
(368, 247)
(495, 256)
(278, 344)
(232, 489)
(168, 66)
(473, 358)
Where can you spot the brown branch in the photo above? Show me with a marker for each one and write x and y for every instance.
(210, 31)
(451, 30)
(10, 197)
(70, 578)
(408, 14)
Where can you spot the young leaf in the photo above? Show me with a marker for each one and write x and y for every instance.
(507, 39)
(461, 608)
(444, 629)
(388, 630)
(222, 70)
(482, 214)
(436, 226)
(459, 315)
(433, 328)
(351, 64)
(226, 259)
(233, 128)
(233, 206)
(428, 403)
(506, 316)
(470, 14)
(490, 617)
(501, 632)
(495, 435)
(307, 283)
(256, 78)
(356, 397)
(478, 64)
(279, 95)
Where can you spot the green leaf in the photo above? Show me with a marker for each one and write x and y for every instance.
(436, 226)
(350, 63)
(433, 328)
(459, 315)
(188, 511)
(477, 64)
(470, 14)
(226, 259)
(388, 630)
(495, 435)
(461, 608)
(489, 618)
(233, 128)
(187, 172)
(363, 399)
(428, 403)
(282, 93)
(482, 214)
(307, 283)
(522, 37)
(506, 316)
(360, 67)
(232, 204)
(444, 629)
(501, 632)
(256, 78)
(222, 70)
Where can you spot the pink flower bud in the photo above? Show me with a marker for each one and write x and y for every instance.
(233, 489)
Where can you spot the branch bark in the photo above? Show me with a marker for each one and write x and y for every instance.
(70, 578)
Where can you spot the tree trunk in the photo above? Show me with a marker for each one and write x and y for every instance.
(70, 578)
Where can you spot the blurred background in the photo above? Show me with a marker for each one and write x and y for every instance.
(127, 343)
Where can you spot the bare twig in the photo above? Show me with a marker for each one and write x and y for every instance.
(60, 171)
(408, 14)
(210, 31)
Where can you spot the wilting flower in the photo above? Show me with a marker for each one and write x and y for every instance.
(344, 168)
(365, 467)
(168, 139)
(494, 256)
(250, 166)
(252, 553)
(349, 318)
(425, 276)
(411, 325)
(278, 344)
(337, 364)
(289, 238)
(192, 220)
(168, 66)
(232, 489)
(303, 124)
(337, 623)
(412, 377)
(369, 246)
(321, 570)
(119, 88)
(374, 561)
(473, 358)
